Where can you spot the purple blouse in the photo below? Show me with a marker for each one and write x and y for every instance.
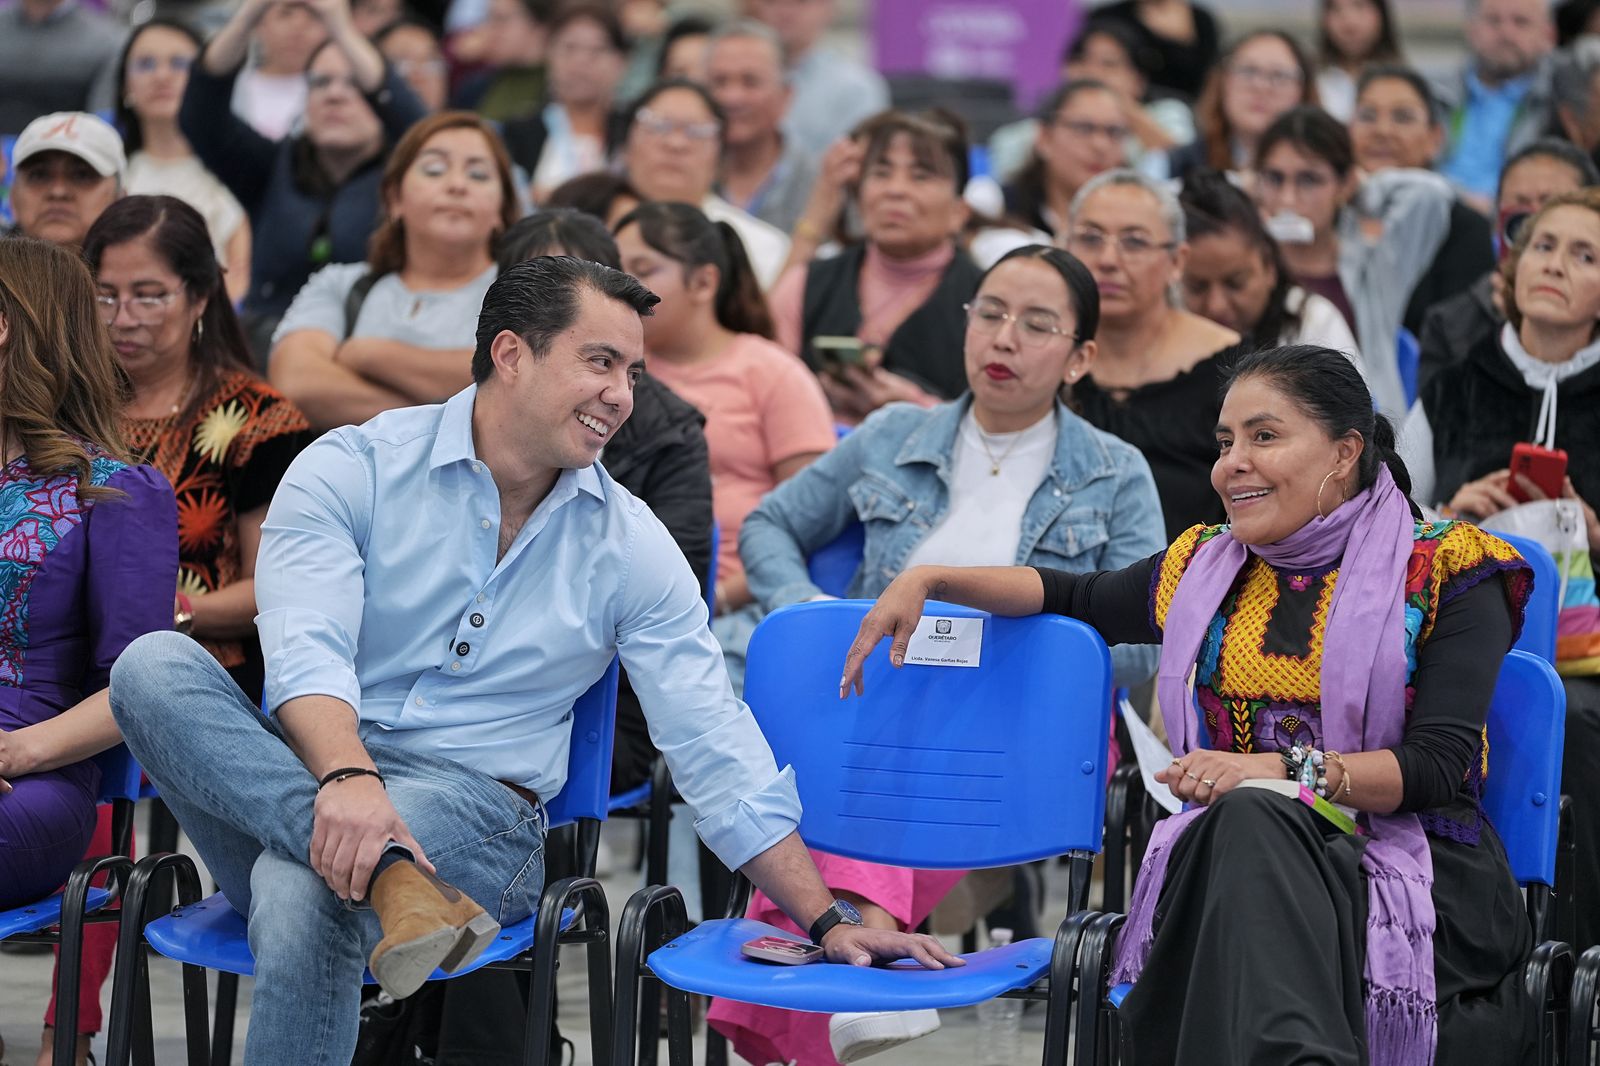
(79, 580)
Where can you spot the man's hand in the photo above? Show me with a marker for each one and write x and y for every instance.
(353, 822)
(857, 945)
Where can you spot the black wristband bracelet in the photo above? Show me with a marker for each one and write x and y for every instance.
(349, 771)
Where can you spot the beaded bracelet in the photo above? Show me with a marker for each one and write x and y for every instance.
(1306, 764)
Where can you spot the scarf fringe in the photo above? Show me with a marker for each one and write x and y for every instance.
(1138, 932)
(1402, 1027)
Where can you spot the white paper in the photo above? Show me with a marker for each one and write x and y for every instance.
(1152, 754)
(946, 642)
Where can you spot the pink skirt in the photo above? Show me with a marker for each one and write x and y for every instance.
(764, 1035)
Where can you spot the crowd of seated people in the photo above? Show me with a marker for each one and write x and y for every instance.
(398, 363)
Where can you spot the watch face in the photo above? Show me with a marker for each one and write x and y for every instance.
(848, 912)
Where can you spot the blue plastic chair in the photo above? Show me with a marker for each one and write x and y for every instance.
(209, 934)
(934, 767)
(1408, 358)
(1539, 621)
(834, 565)
(1521, 799)
(80, 903)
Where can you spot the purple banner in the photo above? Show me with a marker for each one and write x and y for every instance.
(1018, 41)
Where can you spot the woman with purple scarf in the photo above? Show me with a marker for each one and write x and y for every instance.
(1325, 628)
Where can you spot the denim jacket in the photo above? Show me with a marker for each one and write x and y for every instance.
(1095, 510)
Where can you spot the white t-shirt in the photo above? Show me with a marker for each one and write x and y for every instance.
(983, 524)
(392, 311)
(271, 103)
(190, 181)
(1321, 324)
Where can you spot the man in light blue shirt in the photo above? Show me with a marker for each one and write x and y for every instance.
(436, 587)
(1500, 102)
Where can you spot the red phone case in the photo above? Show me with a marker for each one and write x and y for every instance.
(1545, 467)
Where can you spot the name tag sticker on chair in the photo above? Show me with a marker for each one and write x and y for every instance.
(946, 642)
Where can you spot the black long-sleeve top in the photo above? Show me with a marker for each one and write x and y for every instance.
(1457, 667)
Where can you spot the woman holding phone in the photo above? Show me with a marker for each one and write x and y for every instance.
(1461, 435)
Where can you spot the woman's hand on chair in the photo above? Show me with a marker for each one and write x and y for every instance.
(1202, 776)
(895, 615)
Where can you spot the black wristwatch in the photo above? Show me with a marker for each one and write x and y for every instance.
(841, 913)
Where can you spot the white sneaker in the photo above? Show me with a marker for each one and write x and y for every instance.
(856, 1036)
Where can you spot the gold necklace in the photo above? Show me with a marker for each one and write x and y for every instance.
(994, 462)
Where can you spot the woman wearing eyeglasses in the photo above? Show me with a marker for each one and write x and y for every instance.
(670, 154)
(197, 413)
(1083, 132)
(312, 197)
(1004, 475)
(1362, 242)
(1157, 380)
(153, 71)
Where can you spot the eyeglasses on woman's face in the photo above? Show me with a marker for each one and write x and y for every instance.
(145, 308)
(656, 124)
(1132, 245)
(987, 317)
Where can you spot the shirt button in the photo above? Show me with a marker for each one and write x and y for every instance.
(477, 468)
(455, 666)
(1058, 492)
(481, 597)
(476, 620)
(419, 701)
(484, 523)
(463, 648)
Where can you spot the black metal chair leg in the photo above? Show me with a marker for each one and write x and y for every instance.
(131, 974)
(1580, 1013)
(716, 1047)
(74, 907)
(593, 929)
(1114, 852)
(658, 825)
(223, 1020)
(1063, 974)
(633, 947)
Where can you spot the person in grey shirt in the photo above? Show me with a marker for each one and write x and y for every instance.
(54, 56)
(831, 92)
(764, 171)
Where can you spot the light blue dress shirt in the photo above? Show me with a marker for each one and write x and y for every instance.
(377, 584)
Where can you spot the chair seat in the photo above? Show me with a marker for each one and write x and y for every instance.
(47, 912)
(634, 797)
(707, 961)
(212, 934)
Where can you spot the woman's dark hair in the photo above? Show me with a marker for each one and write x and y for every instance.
(1032, 180)
(593, 194)
(177, 233)
(688, 26)
(1386, 50)
(1329, 388)
(1119, 32)
(666, 86)
(128, 123)
(682, 233)
(539, 299)
(559, 231)
(407, 22)
(938, 140)
(1314, 132)
(600, 14)
(1213, 205)
(1082, 291)
(1409, 75)
(1572, 20)
(1211, 122)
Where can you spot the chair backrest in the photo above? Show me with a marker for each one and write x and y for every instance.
(119, 775)
(939, 767)
(711, 574)
(594, 725)
(1540, 620)
(1408, 358)
(1522, 795)
(833, 566)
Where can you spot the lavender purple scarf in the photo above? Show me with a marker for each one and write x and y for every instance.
(1363, 709)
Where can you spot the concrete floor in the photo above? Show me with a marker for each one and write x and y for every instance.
(24, 983)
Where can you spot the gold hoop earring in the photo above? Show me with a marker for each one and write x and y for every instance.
(1320, 489)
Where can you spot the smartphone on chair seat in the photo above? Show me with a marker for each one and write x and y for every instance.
(782, 950)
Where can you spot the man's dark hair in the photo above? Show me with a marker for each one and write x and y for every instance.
(1560, 151)
(538, 300)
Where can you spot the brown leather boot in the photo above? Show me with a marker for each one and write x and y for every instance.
(426, 924)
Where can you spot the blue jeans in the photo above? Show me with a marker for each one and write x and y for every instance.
(246, 800)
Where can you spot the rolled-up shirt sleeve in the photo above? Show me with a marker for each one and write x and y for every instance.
(720, 762)
(310, 575)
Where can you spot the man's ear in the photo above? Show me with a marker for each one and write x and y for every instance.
(508, 352)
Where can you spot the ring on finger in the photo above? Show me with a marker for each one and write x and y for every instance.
(1191, 774)
(1209, 783)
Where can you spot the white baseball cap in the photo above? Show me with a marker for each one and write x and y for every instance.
(78, 133)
